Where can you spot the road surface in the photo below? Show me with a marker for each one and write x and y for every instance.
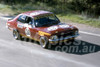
(17, 53)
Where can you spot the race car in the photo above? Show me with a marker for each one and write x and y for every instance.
(42, 26)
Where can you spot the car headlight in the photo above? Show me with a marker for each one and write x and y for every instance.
(54, 37)
(76, 32)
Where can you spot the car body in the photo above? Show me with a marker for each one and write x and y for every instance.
(42, 26)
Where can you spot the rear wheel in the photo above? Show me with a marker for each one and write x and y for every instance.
(16, 35)
(44, 42)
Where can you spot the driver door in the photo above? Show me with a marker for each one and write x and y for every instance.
(20, 24)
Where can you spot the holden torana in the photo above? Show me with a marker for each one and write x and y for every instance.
(42, 26)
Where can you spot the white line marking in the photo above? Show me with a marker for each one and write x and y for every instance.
(89, 33)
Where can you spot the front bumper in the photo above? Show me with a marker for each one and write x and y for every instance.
(63, 39)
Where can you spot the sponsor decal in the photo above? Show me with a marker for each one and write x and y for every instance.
(27, 25)
(64, 26)
(52, 28)
(37, 13)
(20, 25)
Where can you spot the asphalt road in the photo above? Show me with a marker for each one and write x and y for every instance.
(17, 53)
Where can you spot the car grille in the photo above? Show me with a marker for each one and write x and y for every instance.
(65, 34)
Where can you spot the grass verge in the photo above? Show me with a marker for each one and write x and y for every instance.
(80, 19)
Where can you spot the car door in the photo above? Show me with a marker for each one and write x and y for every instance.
(26, 26)
(21, 24)
(30, 29)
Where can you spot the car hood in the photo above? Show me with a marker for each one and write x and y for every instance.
(59, 28)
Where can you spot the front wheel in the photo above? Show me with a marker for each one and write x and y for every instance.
(16, 35)
(44, 42)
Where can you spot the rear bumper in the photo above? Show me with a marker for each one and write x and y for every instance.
(63, 39)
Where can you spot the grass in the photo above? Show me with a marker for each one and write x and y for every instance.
(16, 9)
(80, 19)
(5, 9)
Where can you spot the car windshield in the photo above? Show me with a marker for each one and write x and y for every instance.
(46, 20)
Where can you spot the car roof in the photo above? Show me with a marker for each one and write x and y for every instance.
(36, 13)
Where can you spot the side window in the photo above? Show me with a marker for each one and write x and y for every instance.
(28, 20)
(22, 18)
(32, 23)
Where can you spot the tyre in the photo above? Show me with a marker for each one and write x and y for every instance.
(16, 35)
(44, 42)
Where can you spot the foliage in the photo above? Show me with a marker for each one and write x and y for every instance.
(80, 19)
(90, 8)
(80, 11)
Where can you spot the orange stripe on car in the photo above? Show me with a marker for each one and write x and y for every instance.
(41, 33)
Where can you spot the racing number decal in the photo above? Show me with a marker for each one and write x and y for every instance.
(27, 32)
